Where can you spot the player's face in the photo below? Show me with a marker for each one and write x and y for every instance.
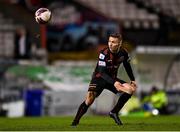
(114, 44)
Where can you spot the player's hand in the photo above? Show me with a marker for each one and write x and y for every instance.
(134, 84)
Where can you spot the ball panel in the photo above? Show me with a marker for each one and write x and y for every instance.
(45, 15)
(42, 15)
(40, 10)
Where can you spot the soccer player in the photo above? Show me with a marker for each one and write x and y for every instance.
(105, 77)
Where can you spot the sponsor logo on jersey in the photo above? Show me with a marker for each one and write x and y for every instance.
(102, 63)
(101, 56)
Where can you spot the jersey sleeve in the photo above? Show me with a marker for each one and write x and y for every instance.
(102, 69)
(127, 67)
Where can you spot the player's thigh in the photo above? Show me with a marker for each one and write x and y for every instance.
(97, 85)
(94, 90)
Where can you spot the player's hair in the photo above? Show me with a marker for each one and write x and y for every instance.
(116, 35)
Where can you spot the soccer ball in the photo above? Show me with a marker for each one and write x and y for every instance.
(43, 15)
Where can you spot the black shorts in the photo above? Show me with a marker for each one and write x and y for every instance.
(99, 84)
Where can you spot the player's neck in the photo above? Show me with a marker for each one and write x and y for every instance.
(115, 51)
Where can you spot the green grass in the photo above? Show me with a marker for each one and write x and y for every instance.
(91, 123)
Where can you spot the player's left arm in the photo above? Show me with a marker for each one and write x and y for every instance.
(128, 69)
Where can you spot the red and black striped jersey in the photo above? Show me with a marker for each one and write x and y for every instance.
(108, 64)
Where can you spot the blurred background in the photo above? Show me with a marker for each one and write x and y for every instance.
(45, 69)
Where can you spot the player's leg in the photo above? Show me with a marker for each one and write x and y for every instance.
(123, 98)
(121, 101)
(114, 116)
(90, 97)
(95, 89)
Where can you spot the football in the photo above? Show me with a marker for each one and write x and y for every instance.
(43, 15)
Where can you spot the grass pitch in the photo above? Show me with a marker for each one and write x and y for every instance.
(91, 123)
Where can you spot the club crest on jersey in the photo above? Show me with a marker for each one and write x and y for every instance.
(102, 63)
(101, 56)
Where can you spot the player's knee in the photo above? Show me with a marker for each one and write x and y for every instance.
(90, 98)
(89, 101)
(130, 90)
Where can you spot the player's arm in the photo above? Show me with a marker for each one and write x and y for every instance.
(102, 69)
(128, 68)
(129, 71)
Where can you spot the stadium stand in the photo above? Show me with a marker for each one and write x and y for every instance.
(156, 21)
(161, 5)
(6, 36)
(127, 13)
